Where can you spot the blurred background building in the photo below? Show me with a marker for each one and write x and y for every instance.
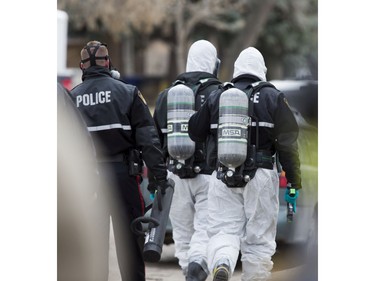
(148, 40)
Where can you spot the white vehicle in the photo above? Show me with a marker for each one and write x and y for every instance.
(63, 74)
(302, 96)
(67, 77)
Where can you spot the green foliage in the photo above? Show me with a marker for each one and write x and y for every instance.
(291, 33)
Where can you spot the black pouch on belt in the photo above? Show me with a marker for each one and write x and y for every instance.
(264, 160)
(135, 162)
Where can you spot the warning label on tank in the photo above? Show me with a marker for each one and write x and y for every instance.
(231, 133)
(184, 127)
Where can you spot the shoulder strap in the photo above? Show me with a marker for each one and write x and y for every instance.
(226, 86)
(177, 82)
(261, 84)
(194, 87)
(250, 91)
(254, 88)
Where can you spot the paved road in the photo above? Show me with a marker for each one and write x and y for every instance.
(290, 264)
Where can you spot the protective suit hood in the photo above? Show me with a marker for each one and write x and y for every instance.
(250, 61)
(201, 57)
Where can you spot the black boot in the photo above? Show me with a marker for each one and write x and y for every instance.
(195, 272)
(221, 273)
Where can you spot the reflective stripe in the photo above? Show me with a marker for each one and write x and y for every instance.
(109, 127)
(164, 131)
(261, 124)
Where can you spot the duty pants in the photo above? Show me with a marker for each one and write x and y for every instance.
(244, 219)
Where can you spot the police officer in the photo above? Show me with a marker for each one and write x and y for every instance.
(189, 205)
(243, 217)
(124, 135)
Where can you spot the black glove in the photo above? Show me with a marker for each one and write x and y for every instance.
(152, 186)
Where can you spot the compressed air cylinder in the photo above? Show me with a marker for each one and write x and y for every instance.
(180, 102)
(232, 128)
(155, 235)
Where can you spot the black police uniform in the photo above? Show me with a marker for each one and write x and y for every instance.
(208, 83)
(120, 121)
(278, 129)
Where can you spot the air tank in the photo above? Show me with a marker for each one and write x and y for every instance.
(232, 128)
(180, 106)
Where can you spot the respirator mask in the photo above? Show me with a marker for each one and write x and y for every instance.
(92, 58)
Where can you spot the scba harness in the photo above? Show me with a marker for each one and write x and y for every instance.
(239, 176)
(185, 156)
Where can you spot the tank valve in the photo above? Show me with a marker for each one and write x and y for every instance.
(246, 178)
(197, 169)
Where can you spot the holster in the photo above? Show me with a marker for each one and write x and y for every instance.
(135, 162)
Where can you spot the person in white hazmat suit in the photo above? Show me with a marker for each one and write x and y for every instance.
(187, 160)
(242, 213)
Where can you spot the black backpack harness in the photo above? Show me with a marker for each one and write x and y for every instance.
(255, 158)
(191, 167)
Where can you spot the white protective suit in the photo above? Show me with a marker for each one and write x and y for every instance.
(189, 205)
(245, 219)
(189, 220)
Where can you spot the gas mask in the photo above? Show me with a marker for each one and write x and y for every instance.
(92, 58)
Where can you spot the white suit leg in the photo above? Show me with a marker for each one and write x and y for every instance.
(199, 240)
(181, 216)
(226, 220)
(189, 219)
(261, 201)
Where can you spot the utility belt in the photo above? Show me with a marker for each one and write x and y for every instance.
(240, 176)
(188, 168)
(133, 159)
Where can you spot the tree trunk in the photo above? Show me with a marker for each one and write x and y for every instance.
(127, 44)
(181, 37)
(248, 37)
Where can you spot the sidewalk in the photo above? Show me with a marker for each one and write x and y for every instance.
(167, 269)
